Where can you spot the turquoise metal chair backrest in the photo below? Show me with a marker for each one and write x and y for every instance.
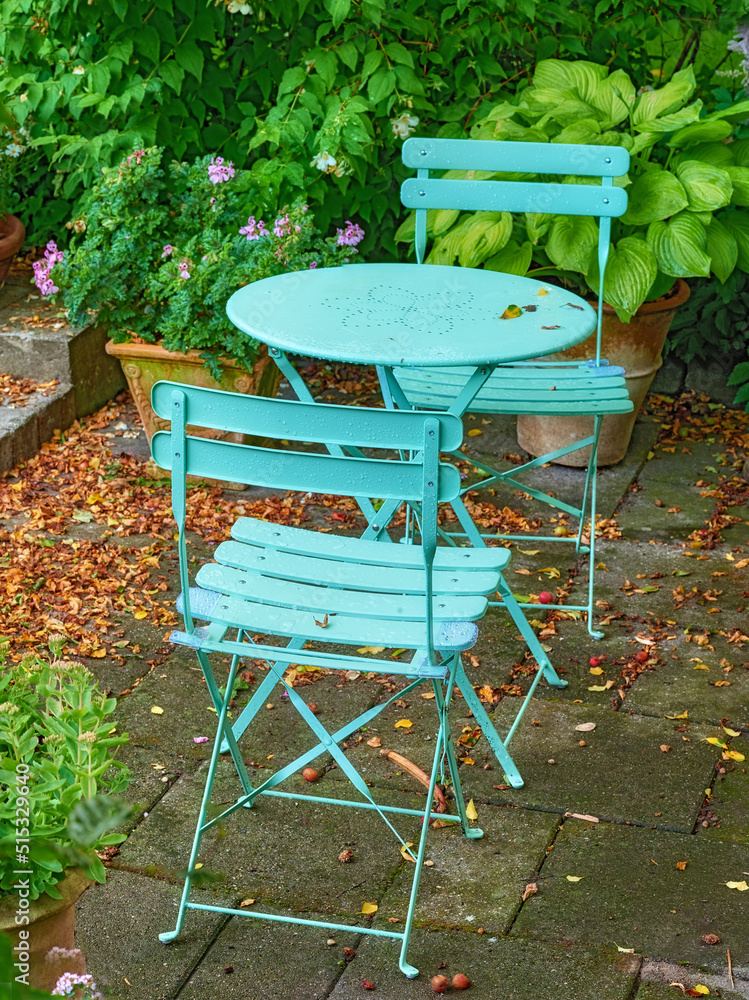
(605, 201)
(424, 480)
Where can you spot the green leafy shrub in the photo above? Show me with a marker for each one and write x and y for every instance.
(273, 87)
(156, 256)
(713, 322)
(56, 725)
(688, 186)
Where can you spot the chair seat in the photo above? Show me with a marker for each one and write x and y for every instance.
(554, 390)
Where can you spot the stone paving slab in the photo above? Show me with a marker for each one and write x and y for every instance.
(270, 961)
(506, 968)
(631, 894)
(117, 927)
(664, 991)
(730, 799)
(257, 852)
(621, 774)
(475, 883)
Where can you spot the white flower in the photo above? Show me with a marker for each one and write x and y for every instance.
(78, 71)
(23, 97)
(14, 149)
(237, 7)
(404, 126)
(323, 161)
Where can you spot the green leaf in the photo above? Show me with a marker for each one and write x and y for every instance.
(740, 180)
(679, 246)
(148, 41)
(190, 57)
(372, 61)
(515, 258)
(348, 54)
(668, 123)
(740, 150)
(716, 153)
(708, 188)
(483, 235)
(737, 224)
(172, 74)
(722, 250)
(381, 85)
(439, 220)
(736, 113)
(582, 132)
(408, 81)
(406, 231)
(91, 818)
(293, 77)
(630, 272)
(654, 195)
(582, 76)
(338, 10)
(572, 242)
(705, 131)
(665, 100)
(537, 224)
(614, 97)
(399, 54)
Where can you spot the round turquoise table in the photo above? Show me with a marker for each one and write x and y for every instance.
(410, 315)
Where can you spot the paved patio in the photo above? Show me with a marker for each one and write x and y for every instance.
(628, 832)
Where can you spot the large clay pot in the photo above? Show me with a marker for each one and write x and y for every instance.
(635, 346)
(51, 925)
(12, 235)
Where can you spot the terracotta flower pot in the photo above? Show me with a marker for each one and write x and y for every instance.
(635, 346)
(51, 925)
(12, 235)
(145, 364)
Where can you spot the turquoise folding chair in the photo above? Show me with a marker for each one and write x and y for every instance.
(593, 388)
(282, 581)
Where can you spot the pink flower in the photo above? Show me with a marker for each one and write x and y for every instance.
(184, 266)
(66, 986)
(218, 171)
(349, 236)
(282, 226)
(200, 739)
(42, 269)
(313, 265)
(254, 229)
(136, 155)
(167, 250)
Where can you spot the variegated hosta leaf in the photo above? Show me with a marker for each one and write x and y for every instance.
(630, 272)
(583, 132)
(442, 219)
(445, 248)
(719, 154)
(537, 224)
(538, 101)
(654, 195)
(669, 123)
(740, 180)
(572, 110)
(665, 100)
(582, 76)
(572, 242)
(740, 150)
(708, 188)
(614, 98)
(644, 141)
(510, 131)
(406, 231)
(736, 113)
(705, 131)
(722, 250)
(487, 233)
(515, 258)
(737, 224)
(679, 246)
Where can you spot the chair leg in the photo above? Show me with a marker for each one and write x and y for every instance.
(487, 728)
(531, 639)
(443, 702)
(592, 471)
(222, 727)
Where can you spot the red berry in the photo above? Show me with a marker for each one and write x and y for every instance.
(545, 597)
(595, 662)
(642, 656)
(310, 774)
(461, 982)
(440, 984)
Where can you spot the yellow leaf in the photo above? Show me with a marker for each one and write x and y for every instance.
(575, 878)
(627, 951)
(94, 498)
(731, 732)
(406, 854)
(542, 291)
(512, 312)
(701, 666)
(467, 760)
(403, 724)
(730, 557)
(427, 695)
(683, 715)
(734, 755)
(741, 886)
(603, 566)
(716, 742)
(140, 615)
(98, 653)
(681, 865)
(596, 670)
(701, 989)
(155, 710)
(247, 902)
(551, 572)
(198, 865)
(597, 687)
(471, 811)
(529, 552)
(370, 908)
(371, 649)
(474, 432)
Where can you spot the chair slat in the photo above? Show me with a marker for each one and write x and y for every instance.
(299, 541)
(306, 472)
(351, 575)
(525, 157)
(297, 421)
(326, 600)
(514, 196)
(580, 376)
(272, 620)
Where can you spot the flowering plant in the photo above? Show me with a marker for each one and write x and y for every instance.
(157, 256)
(13, 143)
(55, 763)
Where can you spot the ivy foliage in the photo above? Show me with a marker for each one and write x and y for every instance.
(273, 86)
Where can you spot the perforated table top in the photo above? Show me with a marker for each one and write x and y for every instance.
(410, 314)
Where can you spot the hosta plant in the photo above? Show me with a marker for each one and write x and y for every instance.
(688, 187)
